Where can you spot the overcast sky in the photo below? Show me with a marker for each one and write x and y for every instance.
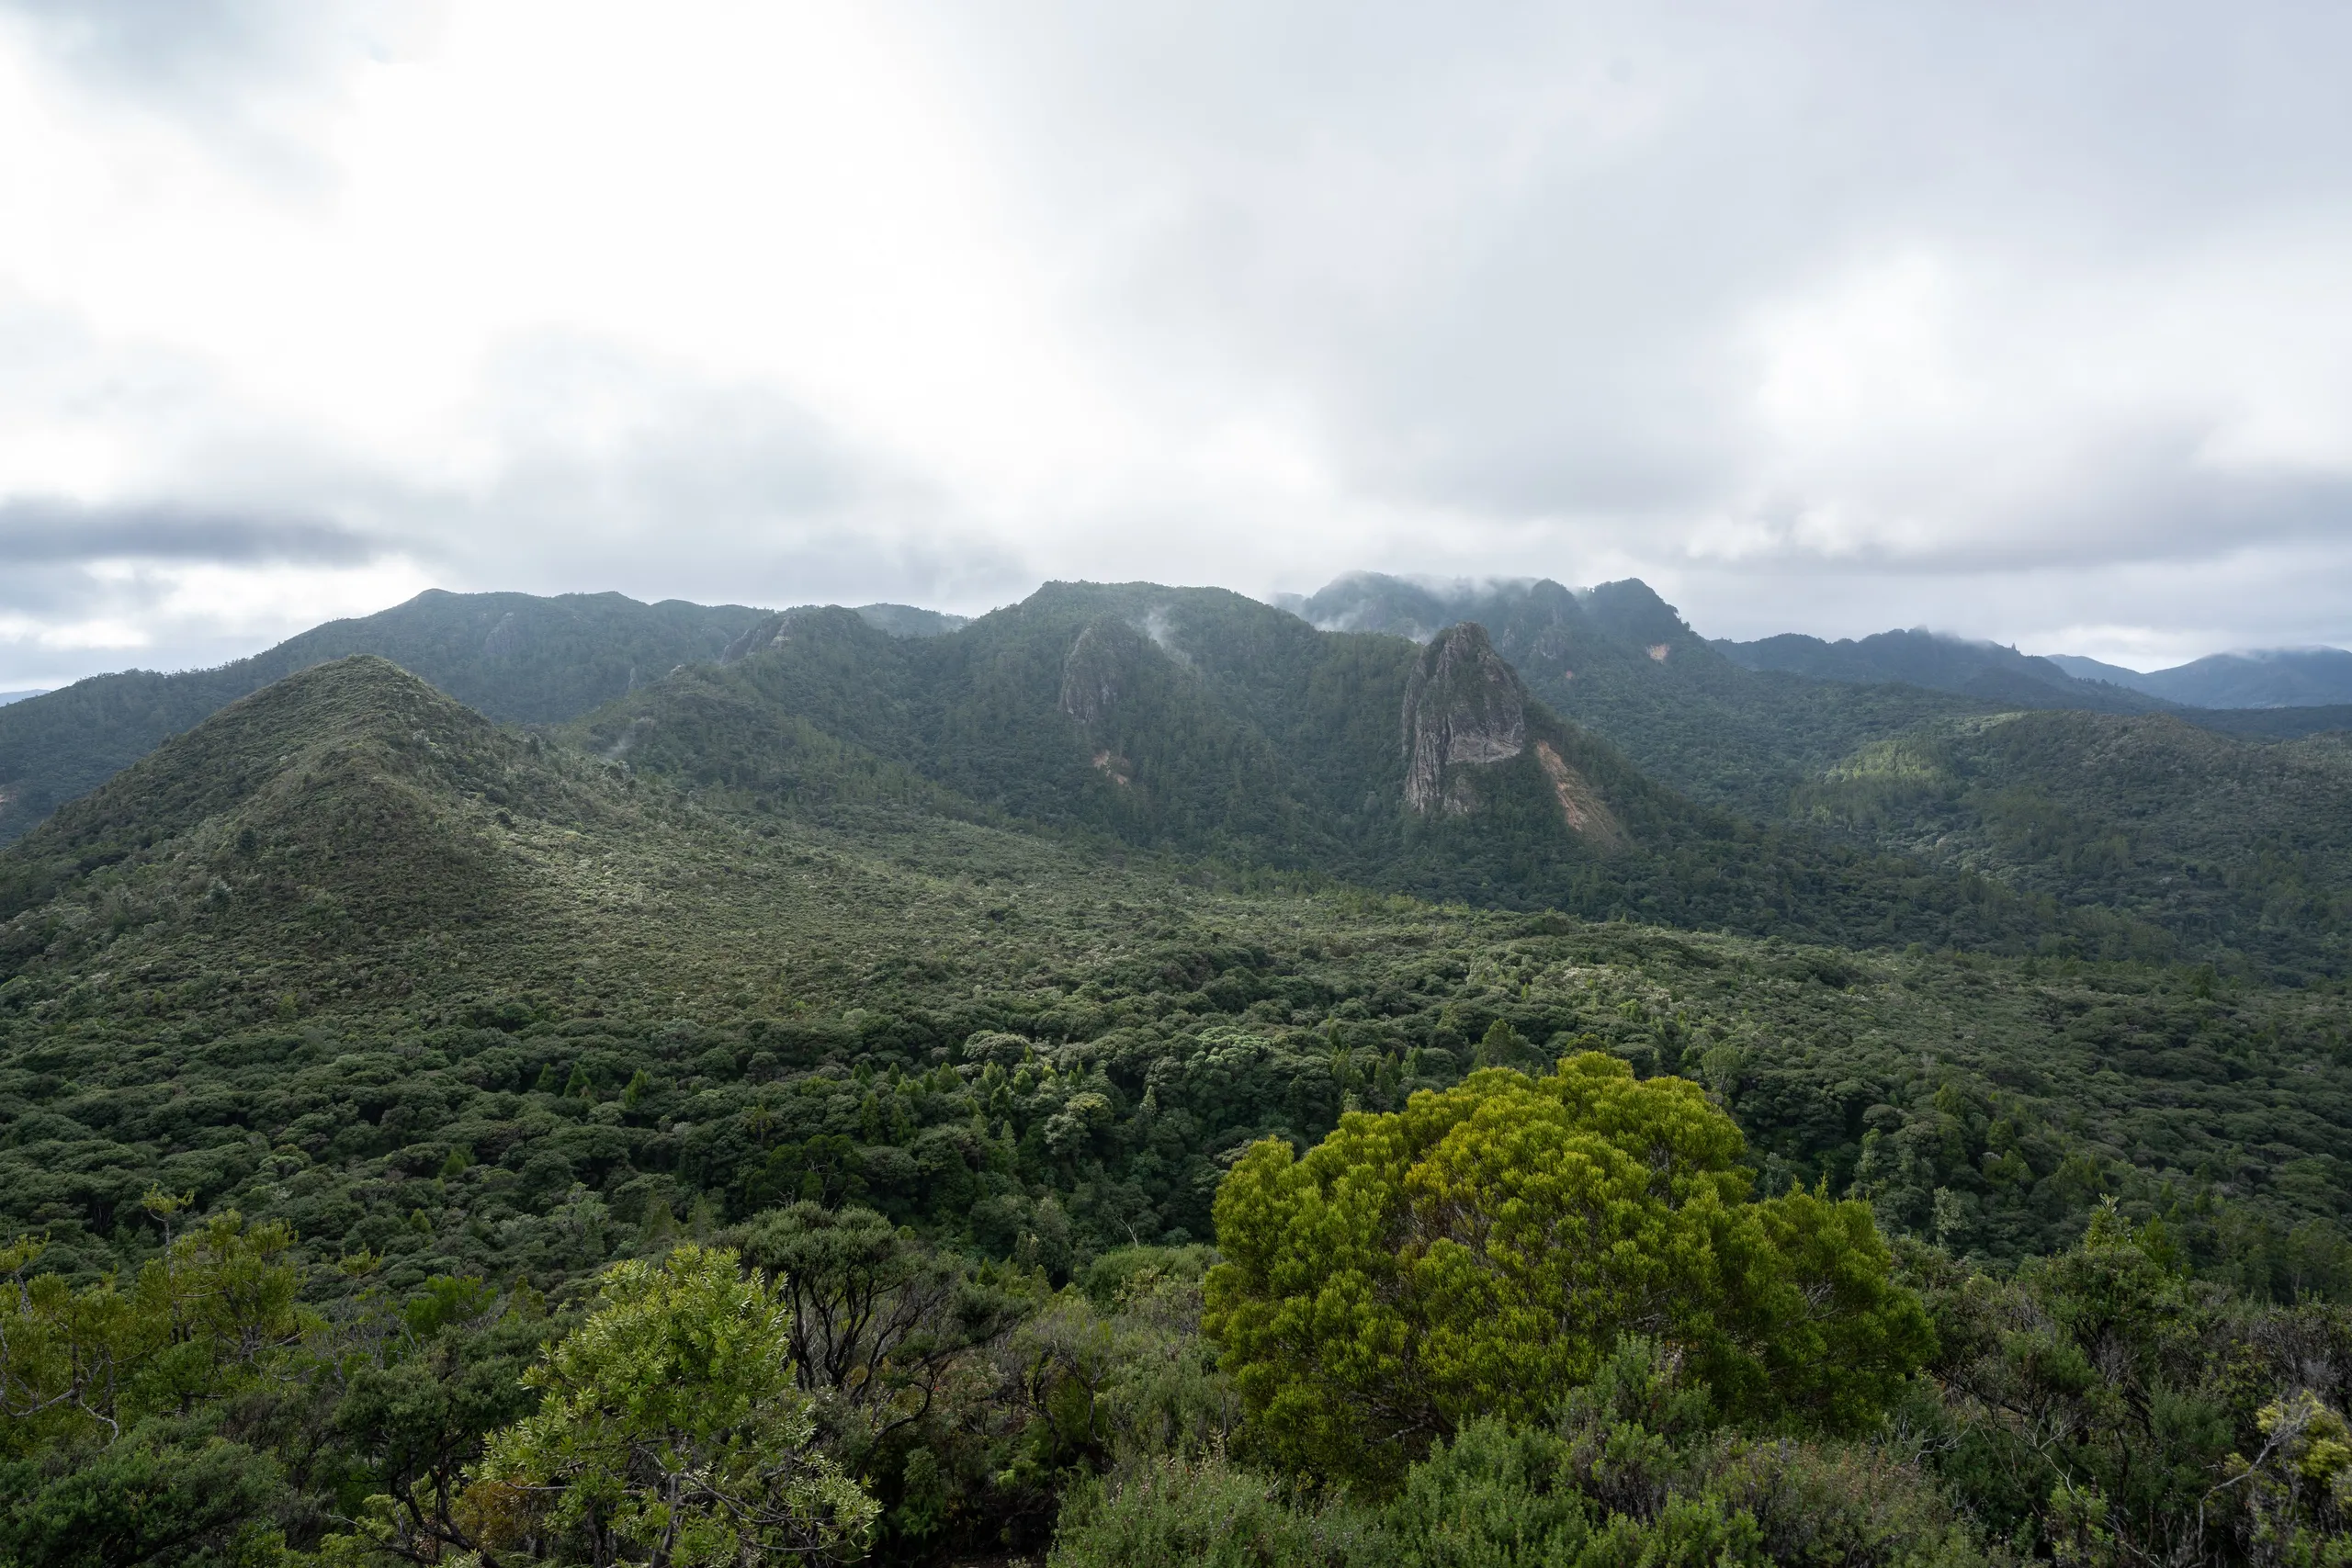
(2032, 323)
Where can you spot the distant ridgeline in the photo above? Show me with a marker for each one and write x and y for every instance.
(2275, 678)
(515, 657)
(1198, 723)
(1518, 745)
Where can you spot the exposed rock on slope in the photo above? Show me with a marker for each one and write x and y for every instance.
(1463, 705)
(1587, 814)
(1100, 665)
(757, 639)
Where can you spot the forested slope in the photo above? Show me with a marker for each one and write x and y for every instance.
(1196, 723)
(2237, 847)
(409, 1029)
(511, 656)
(1620, 661)
(350, 852)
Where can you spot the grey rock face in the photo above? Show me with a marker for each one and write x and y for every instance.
(1463, 705)
(759, 639)
(1100, 665)
(775, 629)
(505, 639)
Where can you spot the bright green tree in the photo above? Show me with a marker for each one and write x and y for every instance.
(209, 1317)
(1480, 1252)
(670, 1431)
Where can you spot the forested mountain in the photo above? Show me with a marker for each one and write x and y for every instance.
(2268, 678)
(1023, 1035)
(370, 1036)
(511, 656)
(1620, 661)
(1941, 663)
(1201, 724)
(2232, 845)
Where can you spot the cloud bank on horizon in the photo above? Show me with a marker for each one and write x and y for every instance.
(1822, 317)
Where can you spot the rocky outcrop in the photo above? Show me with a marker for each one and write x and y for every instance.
(759, 639)
(780, 627)
(1101, 666)
(505, 639)
(1463, 705)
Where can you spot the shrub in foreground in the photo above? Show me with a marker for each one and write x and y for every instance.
(1479, 1253)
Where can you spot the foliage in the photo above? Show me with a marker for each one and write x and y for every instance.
(1482, 1250)
(457, 1018)
(2298, 1487)
(2237, 847)
(670, 1431)
(1634, 1468)
(2102, 1402)
(199, 1322)
(1210, 1512)
(167, 1492)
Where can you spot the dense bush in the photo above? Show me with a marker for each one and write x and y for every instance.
(1482, 1250)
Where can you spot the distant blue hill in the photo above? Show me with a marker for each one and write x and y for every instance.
(2263, 677)
(1941, 663)
(7, 697)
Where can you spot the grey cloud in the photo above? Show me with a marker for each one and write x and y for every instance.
(2148, 502)
(619, 469)
(48, 532)
(1501, 267)
(1508, 261)
(245, 74)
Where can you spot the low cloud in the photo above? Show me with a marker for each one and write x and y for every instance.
(37, 532)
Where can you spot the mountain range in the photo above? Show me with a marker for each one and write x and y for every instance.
(513, 656)
(828, 845)
(1944, 664)
(1519, 745)
(2270, 677)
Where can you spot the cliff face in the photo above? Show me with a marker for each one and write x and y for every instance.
(1463, 705)
(760, 637)
(1101, 666)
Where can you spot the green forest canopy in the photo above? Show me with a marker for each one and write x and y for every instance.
(350, 1044)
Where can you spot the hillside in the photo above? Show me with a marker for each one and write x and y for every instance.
(2274, 724)
(347, 955)
(2231, 844)
(2266, 678)
(1201, 724)
(1620, 661)
(1939, 663)
(514, 656)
